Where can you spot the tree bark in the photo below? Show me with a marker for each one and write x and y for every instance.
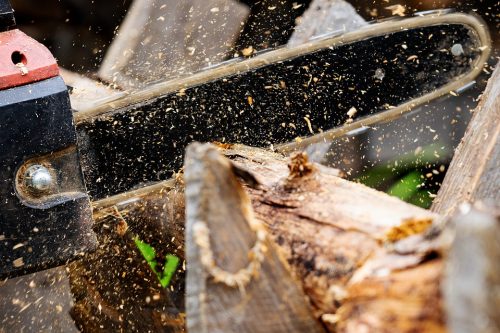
(366, 260)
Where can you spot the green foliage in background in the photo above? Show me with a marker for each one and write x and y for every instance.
(169, 267)
(406, 177)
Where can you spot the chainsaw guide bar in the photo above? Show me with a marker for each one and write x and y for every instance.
(378, 73)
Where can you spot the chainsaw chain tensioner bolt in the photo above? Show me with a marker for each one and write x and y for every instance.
(38, 178)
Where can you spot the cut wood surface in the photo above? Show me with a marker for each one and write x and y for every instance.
(474, 173)
(341, 238)
(243, 285)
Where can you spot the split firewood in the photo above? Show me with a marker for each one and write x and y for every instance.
(366, 261)
(236, 281)
(348, 244)
(474, 173)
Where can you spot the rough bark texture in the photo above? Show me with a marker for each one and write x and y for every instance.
(341, 239)
(474, 173)
(472, 284)
(272, 301)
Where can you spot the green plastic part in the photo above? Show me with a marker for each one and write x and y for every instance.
(147, 250)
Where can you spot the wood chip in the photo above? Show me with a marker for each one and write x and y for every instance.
(409, 227)
(397, 9)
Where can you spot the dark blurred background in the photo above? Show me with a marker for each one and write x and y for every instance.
(78, 32)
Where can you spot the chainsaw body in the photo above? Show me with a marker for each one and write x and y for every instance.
(45, 213)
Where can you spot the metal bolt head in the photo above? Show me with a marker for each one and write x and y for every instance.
(38, 178)
(457, 50)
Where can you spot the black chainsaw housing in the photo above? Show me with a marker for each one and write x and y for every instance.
(7, 20)
(40, 231)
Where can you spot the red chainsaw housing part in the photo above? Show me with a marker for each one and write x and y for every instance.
(37, 61)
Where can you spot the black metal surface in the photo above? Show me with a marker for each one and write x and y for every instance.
(38, 232)
(145, 143)
(7, 20)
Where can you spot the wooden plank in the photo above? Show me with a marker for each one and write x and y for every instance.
(474, 173)
(163, 39)
(236, 281)
(325, 17)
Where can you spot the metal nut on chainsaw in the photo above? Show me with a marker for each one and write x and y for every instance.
(38, 179)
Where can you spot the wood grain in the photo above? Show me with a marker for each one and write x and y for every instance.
(332, 233)
(474, 172)
(273, 300)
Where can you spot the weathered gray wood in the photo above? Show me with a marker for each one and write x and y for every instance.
(474, 172)
(272, 300)
(472, 283)
(162, 39)
(323, 17)
(38, 302)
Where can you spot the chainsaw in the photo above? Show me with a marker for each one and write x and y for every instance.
(57, 164)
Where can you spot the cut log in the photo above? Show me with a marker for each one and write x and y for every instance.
(365, 260)
(474, 173)
(341, 239)
(236, 280)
